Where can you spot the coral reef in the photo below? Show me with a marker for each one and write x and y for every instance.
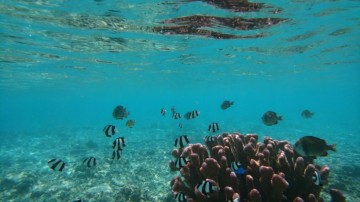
(237, 167)
(204, 25)
(198, 24)
(236, 5)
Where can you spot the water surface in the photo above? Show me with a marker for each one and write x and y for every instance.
(64, 66)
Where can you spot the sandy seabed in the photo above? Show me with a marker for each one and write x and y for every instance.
(141, 174)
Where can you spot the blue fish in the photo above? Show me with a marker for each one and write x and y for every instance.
(237, 168)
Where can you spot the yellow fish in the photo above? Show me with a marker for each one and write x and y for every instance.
(130, 123)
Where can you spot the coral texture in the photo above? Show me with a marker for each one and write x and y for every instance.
(240, 168)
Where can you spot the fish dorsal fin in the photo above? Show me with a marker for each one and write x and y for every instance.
(314, 139)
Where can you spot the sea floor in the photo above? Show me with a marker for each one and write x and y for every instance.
(141, 174)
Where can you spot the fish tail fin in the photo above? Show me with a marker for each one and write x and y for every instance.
(231, 103)
(332, 147)
(280, 118)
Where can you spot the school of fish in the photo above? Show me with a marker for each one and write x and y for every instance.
(307, 146)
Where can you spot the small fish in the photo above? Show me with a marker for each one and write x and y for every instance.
(110, 130)
(316, 178)
(310, 146)
(180, 162)
(77, 200)
(271, 118)
(237, 168)
(176, 115)
(130, 123)
(173, 110)
(206, 187)
(210, 138)
(235, 198)
(56, 164)
(213, 127)
(163, 111)
(180, 197)
(116, 154)
(187, 115)
(120, 112)
(90, 162)
(118, 143)
(192, 115)
(307, 114)
(226, 104)
(181, 141)
(180, 125)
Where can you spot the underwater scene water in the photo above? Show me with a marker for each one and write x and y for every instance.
(66, 65)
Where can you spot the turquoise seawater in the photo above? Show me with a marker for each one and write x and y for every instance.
(65, 65)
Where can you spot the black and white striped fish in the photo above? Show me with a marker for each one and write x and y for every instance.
(316, 178)
(56, 164)
(163, 111)
(210, 138)
(206, 187)
(234, 198)
(181, 141)
(180, 197)
(110, 130)
(176, 115)
(235, 165)
(192, 114)
(119, 143)
(90, 162)
(213, 127)
(180, 162)
(116, 154)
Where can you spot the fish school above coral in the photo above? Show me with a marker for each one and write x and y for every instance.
(236, 167)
